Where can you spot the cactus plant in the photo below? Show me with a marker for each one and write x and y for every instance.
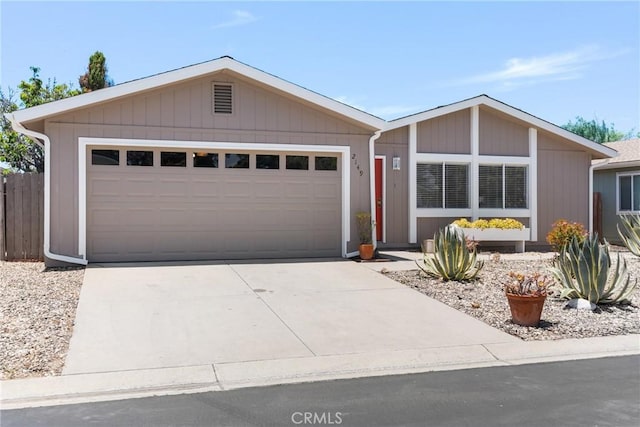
(630, 233)
(582, 269)
(451, 260)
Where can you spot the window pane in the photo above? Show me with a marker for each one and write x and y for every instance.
(636, 192)
(105, 157)
(456, 184)
(625, 193)
(236, 161)
(490, 186)
(429, 185)
(298, 162)
(205, 160)
(140, 158)
(267, 161)
(326, 163)
(515, 187)
(170, 158)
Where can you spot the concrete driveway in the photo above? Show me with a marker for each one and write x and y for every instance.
(145, 316)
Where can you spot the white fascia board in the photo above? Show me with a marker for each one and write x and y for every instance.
(618, 165)
(514, 112)
(526, 117)
(193, 71)
(430, 114)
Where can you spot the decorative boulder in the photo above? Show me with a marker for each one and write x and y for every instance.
(581, 304)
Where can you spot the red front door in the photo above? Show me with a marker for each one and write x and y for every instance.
(379, 191)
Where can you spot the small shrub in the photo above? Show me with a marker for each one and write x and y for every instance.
(365, 227)
(451, 260)
(630, 233)
(563, 232)
(582, 269)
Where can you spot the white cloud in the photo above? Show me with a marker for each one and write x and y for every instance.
(239, 17)
(556, 66)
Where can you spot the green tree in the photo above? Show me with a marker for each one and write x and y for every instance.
(19, 151)
(595, 130)
(96, 76)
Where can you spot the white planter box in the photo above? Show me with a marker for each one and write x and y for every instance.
(499, 235)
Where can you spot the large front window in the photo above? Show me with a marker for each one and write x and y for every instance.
(502, 187)
(442, 185)
(629, 193)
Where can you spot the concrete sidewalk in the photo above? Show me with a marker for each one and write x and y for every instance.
(154, 329)
(69, 389)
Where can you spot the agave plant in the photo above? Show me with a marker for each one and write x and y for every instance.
(452, 259)
(630, 233)
(583, 271)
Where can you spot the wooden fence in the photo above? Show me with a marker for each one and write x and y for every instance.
(22, 217)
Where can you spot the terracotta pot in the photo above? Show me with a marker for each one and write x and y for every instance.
(526, 310)
(366, 251)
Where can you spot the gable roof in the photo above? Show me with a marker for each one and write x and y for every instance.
(628, 155)
(193, 71)
(227, 63)
(594, 147)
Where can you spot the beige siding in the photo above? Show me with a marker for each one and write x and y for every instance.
(563, 184)
(189, 105)
(446, 134)
(183, 112)
(395, 144)
(501, 135)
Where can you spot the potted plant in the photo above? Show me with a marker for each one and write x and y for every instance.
(365, 228)
(526, 296)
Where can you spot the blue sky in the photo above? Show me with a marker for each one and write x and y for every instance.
(554, 60)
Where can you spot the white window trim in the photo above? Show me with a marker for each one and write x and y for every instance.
(474, 159)
(618, 175)
(85, 142)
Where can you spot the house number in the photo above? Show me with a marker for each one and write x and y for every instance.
(355, 162)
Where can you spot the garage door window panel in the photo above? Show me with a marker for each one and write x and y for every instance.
(105, 157)
(297, 162)
(267, 161)
(236, 161)
(173, 159)
(139, 158)
(205, 160)
(325, 163)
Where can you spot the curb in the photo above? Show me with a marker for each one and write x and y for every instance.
(97, 387)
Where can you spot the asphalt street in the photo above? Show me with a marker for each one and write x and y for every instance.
(595, 392)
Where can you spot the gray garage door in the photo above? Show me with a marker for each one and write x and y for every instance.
(175, 204)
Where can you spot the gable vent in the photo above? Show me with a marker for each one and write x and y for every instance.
(222, 98)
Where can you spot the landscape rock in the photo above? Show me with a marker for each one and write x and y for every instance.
(581, 304)
(557, 322)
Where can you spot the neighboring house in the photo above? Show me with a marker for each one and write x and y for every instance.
(221, 160)
(618, 182)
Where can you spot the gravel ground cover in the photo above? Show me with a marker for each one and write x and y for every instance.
(484, 299)
(37, 311)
